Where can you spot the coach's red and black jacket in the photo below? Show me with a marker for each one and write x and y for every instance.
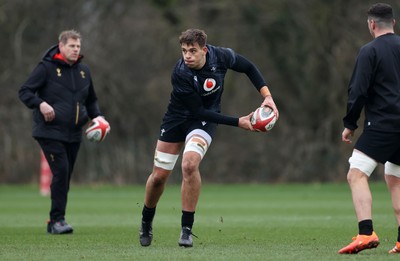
(68, 89)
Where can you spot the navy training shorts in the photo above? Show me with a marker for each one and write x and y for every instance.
(379, 145)
(176, 131)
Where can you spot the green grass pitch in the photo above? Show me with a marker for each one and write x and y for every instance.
(233, 222)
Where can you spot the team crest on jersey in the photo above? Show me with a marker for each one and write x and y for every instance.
(209, 84)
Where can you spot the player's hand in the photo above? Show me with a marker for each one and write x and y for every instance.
(102, 119)
(47, 111)
(244, 122)
(268, 101)
(346, 134)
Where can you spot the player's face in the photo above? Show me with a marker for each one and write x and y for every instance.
(71, 50)
(194, 55)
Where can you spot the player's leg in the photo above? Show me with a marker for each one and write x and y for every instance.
(361, 194)
(392, 178)
(361, 167)
(191, 180)
(165, 157)
(197, 143)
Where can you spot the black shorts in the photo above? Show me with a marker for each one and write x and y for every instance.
(176, 131)
(379, 145)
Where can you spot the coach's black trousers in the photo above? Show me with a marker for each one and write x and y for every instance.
(61, 157)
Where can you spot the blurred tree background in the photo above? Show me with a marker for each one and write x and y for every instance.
(305, 49)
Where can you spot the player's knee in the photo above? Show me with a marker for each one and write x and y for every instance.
(159, 178)
(355, 175)
(190, 165)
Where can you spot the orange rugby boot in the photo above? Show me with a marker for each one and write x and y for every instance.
(396, 249)
(361, 242)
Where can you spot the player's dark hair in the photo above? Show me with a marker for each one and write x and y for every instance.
(381, 12)
(65, 35)
(192, 36)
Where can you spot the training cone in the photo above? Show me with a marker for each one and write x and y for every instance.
(45, 175)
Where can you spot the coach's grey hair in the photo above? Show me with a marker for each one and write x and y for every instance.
(68, 34)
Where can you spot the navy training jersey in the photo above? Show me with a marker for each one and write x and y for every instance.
(375, 85)
(196, 94)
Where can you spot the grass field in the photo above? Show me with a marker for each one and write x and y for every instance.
(233, 222)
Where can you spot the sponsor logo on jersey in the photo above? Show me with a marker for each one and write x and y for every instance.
(209, 84)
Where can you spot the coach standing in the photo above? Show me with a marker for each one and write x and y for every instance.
(60, 92)
(374, 86)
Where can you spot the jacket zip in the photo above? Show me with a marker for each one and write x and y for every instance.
(77, 113)
(77, 103)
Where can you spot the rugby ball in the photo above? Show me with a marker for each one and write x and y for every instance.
(97, 130)
(263, 119)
